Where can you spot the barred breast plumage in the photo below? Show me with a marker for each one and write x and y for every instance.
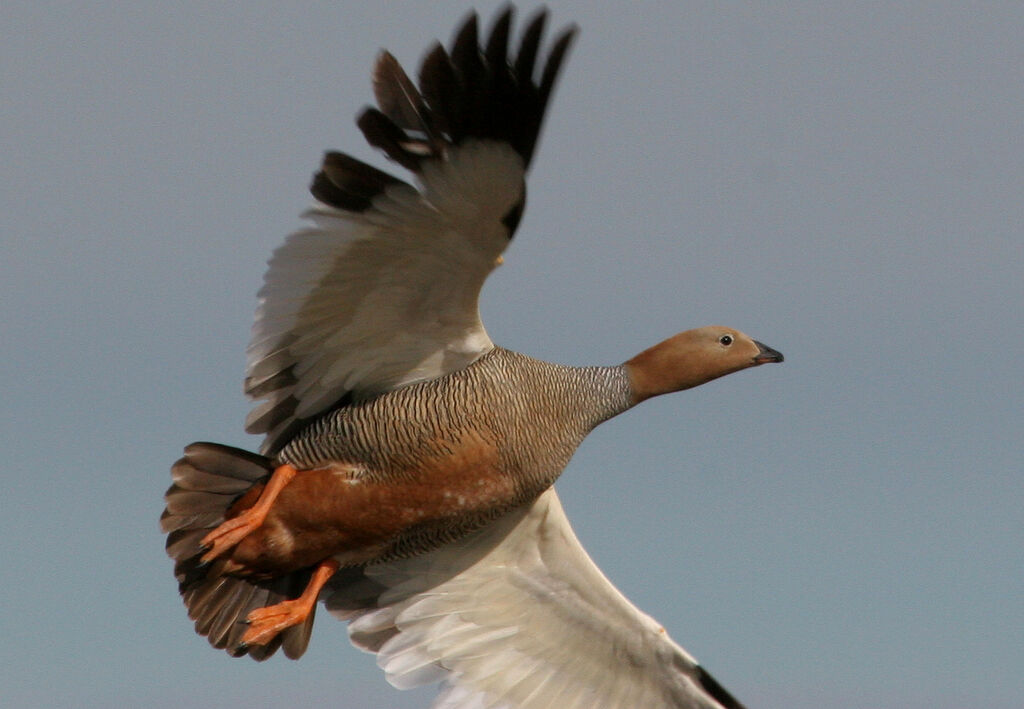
(535, 412)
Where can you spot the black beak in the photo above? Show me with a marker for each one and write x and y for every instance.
(766, 354)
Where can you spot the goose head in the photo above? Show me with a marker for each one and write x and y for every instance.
(694, 357)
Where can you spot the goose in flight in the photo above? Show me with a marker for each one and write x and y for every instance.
(405, 479)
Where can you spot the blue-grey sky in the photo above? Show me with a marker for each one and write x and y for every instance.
(841, 180)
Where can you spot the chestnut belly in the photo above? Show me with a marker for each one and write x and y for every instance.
(330, 512)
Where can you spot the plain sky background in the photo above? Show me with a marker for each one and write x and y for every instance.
(842, 180)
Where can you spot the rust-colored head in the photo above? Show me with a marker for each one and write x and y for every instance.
(693, 357)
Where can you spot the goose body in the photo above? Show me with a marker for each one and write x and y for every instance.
(425, 463)
(405, 477)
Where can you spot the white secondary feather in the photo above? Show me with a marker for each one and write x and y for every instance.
(364, 302)
(518, 616)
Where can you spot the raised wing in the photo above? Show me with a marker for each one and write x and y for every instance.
(381, 290)
(518, 616)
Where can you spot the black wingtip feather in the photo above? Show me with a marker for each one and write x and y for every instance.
(396, 95)
(346, 183)
(381, 132)
(497, 44)
(441, 90)
(472, 91)
(465, 51)
(554, 63)
(526, 59)
(717, 691)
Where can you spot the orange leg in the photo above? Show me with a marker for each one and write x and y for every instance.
(232, 531)
(266, 623)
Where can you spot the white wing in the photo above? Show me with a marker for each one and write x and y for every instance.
(381, 291)
(518, 616)
(370, 301)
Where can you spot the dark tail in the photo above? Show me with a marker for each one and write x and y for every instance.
(207, 481)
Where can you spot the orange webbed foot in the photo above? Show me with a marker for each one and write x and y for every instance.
(230, 532)
(266, 623)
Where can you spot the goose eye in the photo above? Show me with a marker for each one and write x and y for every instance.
(725, 340)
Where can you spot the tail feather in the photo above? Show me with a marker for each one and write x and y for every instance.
(206, 482)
